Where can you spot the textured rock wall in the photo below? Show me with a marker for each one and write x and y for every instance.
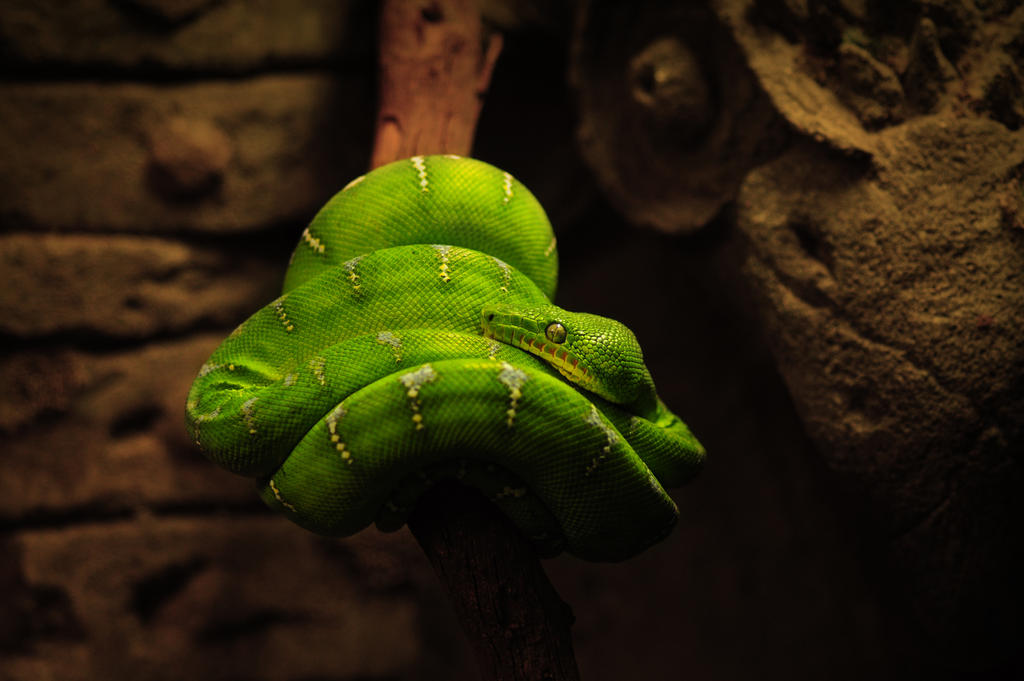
(159, 161)
(889, 277)
(868, 157)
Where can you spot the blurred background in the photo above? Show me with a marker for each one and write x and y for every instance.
(808, 211)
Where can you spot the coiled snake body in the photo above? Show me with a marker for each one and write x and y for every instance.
(416, 341)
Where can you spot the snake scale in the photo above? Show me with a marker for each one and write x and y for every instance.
(416, 341)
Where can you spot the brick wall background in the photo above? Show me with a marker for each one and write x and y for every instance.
(159, 160)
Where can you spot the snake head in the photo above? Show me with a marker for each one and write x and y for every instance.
(598, 354)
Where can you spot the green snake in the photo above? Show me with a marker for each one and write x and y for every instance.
(416, 341)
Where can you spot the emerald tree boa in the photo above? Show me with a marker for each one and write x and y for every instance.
(415, 341)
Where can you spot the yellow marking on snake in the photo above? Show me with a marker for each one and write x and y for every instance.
(507, 186)
(198, 419)
(238, 329)
(282, 317)
(551, 247)
(393, 341)
(443, 251)
(280, 499)
(513, 379)
(317, 365)
(350, 267)
(334, 436)
(312, 241)
(420, 164)
(413, 381)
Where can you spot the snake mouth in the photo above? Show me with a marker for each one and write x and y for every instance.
(525, 333)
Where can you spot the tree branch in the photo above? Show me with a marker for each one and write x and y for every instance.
(515, 621)
(434, 72)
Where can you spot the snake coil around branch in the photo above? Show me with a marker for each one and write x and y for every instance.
(416, 341)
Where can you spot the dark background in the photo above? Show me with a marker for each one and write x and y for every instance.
(127, 556)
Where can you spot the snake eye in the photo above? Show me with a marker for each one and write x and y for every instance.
(555, 333)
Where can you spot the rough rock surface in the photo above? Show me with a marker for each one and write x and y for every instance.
(281, 157)
(144, 281)
(156, 598)
(103, 432)
(897, 320)
(889, 265)
(670, 117)
(182, 34)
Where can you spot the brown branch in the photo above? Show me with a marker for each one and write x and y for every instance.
(434, 71)
(516, 622)
(433, 75)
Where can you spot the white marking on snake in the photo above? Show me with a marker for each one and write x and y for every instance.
(551, 247)
(277, 495)
(332, 428)
(312, 241)
(413, 381)
(208, 417)
(593, 417)
(443, 251)
(513, 379)
(515, 492)
(420, 164)
(453, 156)
(249, 414)
(492, 351)
(350, 267)
(507, 186)
(282, 315)
(209, 367)
(506, 274)
(289, 379)
(354, 182)
(317, 365)
(388, 338)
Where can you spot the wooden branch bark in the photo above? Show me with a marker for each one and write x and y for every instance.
(515, 621)
(434, 71)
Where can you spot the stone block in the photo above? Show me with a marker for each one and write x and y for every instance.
(104, 432)
(216, 156)
(192, 35)
(207, 598)
(126, 287)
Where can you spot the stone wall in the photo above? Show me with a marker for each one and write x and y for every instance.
(159, 161)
